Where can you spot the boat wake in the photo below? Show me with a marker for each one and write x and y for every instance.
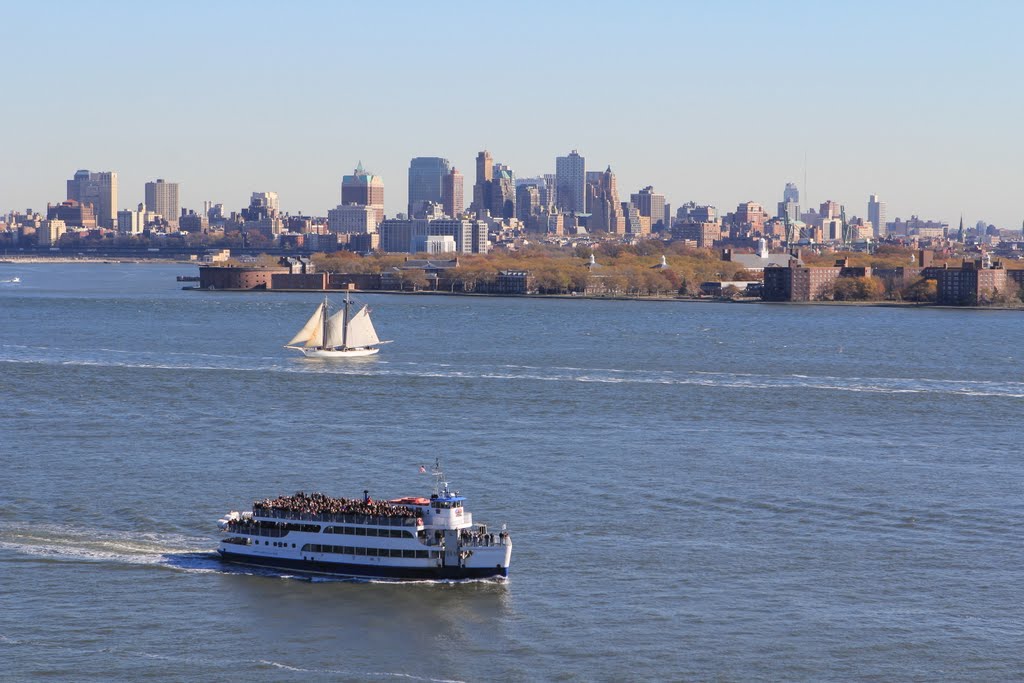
(58, 543)
(149, 360)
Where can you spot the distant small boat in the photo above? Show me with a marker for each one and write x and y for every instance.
(11, 281)
(338, 334)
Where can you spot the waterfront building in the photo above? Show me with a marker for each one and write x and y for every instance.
(73, 213)
(162, 199)
(50, 231)
(364, 189)
(453, 194)
(426, 182)
(974, 282)
(352, 219)
(131, 222)
(190, 221)
(98, 189)
(876, 214)
(570, 183)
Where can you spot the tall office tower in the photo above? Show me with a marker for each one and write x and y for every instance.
(453, 194)
(98, 189)
(876, 214)
(829, 210)
(426, 182)
(651, 204)
(364, 189)
(570, 183)
(603, 204)
(162, 199)
(789, 207)
(548, 193)
(482, 186)
(527, 201)
(503, 192)
(791, 193)
(267, 201)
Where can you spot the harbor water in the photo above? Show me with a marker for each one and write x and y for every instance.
(695, 491)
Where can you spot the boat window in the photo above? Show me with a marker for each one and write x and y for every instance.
(360, 551)
(371, 532)
(360, 531)
(408, 553)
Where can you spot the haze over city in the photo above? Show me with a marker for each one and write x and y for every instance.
(715, 104)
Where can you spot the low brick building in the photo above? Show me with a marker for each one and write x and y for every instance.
(238, 277)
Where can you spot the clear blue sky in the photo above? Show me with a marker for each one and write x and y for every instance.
(920, 102)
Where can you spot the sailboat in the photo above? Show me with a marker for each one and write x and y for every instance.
(337, 335)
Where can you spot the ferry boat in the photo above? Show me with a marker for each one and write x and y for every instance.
(401, 539)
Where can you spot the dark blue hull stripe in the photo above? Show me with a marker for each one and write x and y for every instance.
(366, 571)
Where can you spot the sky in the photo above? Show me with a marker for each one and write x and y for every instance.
(713, 102)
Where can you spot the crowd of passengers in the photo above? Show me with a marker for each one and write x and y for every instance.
(318, 503)
(476, 537)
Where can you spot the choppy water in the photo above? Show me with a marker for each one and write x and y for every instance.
(695, 492)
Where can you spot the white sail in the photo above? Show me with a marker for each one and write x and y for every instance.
(360, 329)
(312, 332)
(335, 328)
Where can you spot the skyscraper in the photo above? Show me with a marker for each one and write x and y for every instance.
(98, 189)
(482, 186)
(426, 182)
(603, 204)
(503, 192)
(789, 207)
(364, 189)
(571, 183)
(650, 204)
(876, 214)
(453, 194)
(162, 199)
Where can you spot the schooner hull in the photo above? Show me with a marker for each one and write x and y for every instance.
(338, 353)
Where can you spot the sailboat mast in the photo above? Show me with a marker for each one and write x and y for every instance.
(323, 341)
(344, 329)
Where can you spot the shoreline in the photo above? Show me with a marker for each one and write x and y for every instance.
(14, 260)
(638, 299)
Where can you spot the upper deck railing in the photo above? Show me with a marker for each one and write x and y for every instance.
(340, 517)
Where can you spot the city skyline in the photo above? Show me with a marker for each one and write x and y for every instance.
(731, 118)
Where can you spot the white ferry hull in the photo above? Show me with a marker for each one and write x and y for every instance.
(366, 571)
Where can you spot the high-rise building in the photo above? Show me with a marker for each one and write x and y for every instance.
(829, 210)
(789, 207)
(162, 199)
(503, 192)
(98, 189)
(603, 204)
(426, 182)
(364, 189)
(650, 204)
(527, 201)
(453, 194)
(482, 186)
(877, 216)
(571, 183)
